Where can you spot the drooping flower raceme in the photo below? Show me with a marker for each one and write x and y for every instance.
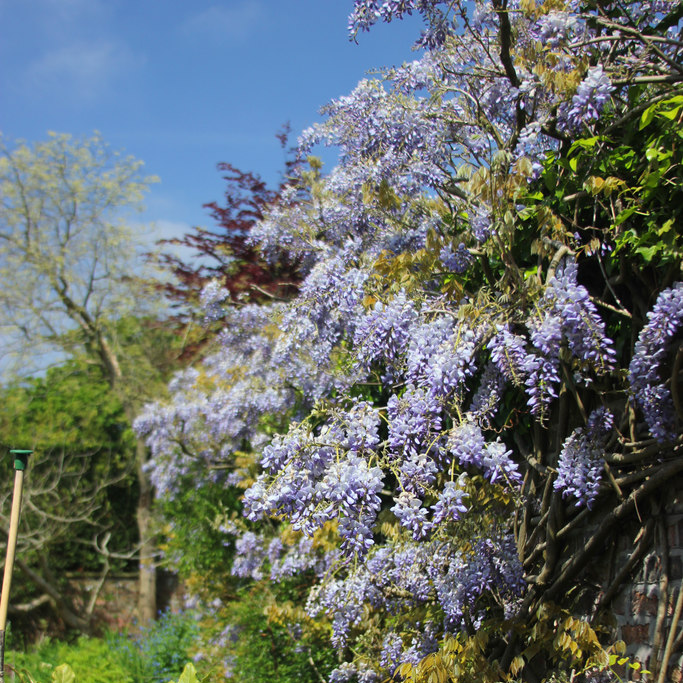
(469, 447)
(588, 102)
(450, 506)
(653, 347)
(581, 325)
(318, 477)
(565, 315)
(368, 12)
(383, 333)
(440, 356)
(581, 460)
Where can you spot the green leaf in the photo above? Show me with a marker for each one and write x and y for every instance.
(625, 215)
(647, 117)
(63, 674)
(671, 114)
(648, 253)
(585, 143)
(665, 228)
(189, 674)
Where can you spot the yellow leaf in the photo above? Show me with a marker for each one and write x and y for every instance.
(516, 665)
(594, 184)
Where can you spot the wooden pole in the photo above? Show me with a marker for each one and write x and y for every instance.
(20, 461)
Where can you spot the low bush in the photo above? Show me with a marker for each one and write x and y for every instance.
(156, 654)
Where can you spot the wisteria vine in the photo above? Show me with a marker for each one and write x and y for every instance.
(453, 369)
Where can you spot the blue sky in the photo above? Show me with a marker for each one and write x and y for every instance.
(183, 84)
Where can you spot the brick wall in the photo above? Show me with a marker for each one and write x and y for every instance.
(116, 605)
(645, 606)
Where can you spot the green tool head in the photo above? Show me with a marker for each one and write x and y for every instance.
(20, 458)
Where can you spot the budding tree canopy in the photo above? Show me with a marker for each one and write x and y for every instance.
(67, 252)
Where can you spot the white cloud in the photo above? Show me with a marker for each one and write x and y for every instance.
(166, 229)
(82, 71)
(236, 22)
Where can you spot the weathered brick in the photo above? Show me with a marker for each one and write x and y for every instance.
(643, 604)
(635, 633)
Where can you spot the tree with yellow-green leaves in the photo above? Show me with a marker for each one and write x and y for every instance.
(70, 261)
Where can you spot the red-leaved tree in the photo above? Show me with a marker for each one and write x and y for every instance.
(223, 252)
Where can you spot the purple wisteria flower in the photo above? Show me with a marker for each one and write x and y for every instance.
(652, 350)
(344, 673)
(460, 579)
(392, 647)
(383, 334)
(487, 398)
(440, 356)
(414, 419)
(211, 299)
(555, 27)
(343, 599)
(534, 146)
(349, 491)
(286, 562)
(468, 446)
(509, 355)
(367, 12)
(480, 223)
(580, 464)
(383, 138)
(249, 556)
(565, 314)
(581, 325)
(457, 261)
(588, 102)
(315, 478)
(450, 506)
(412, 515)
(423, 643)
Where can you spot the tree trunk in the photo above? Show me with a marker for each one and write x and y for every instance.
(147, 589)
(147, 595)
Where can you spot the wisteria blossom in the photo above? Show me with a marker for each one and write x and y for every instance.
(646, 372)
(581, 460)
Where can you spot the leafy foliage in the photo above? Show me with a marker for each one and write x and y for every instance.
(260, 644)
(80, 493)
(71, 285)
(89, 660)
(154, 655)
